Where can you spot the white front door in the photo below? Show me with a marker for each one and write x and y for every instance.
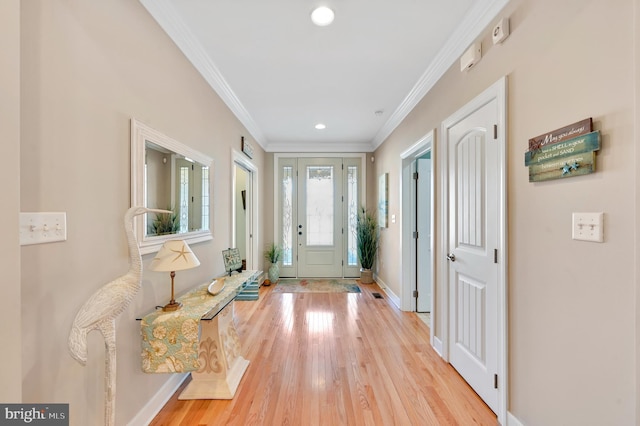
(320, 217)
(474, 169)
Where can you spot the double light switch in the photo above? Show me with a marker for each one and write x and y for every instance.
(588, 227)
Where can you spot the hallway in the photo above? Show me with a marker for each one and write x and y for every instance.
(335, 359)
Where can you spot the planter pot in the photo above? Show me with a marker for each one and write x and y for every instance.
(274, 273)
(366, 276)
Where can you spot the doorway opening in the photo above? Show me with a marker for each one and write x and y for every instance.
(417, 227)
(243, 212)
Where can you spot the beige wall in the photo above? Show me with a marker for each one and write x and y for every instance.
(87, 69)
(10, 332)
(636, 135)
(572, 313)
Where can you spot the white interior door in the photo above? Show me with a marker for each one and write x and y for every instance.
(423, 222)
(320, 222)
(474, 234)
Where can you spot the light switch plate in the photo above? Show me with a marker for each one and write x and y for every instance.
(40, 228)
(588, 227)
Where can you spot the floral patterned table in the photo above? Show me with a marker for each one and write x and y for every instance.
(200, 338)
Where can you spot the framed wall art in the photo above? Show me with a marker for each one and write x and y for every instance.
(247, 148)
(383, 200)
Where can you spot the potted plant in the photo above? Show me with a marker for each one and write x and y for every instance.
(367, 243)
(273, 254)
(164, 223)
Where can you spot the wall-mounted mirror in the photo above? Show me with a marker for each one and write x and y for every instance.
(166, 174)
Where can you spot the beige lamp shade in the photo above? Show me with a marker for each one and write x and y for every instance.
(174, 255)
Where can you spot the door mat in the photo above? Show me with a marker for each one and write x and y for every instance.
(316, 285)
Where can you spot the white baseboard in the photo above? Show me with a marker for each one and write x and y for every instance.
(513, 421)
(392, 296)
(155, 404)
(437, 345)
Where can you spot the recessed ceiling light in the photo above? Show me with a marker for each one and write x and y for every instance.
(320, 126)
(322, 16)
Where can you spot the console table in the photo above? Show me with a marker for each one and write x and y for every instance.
(218, 365)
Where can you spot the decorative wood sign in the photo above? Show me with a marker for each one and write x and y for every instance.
(572, 130)
(565, 152)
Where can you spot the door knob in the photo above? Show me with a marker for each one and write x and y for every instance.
(451, 257)
(300, 233)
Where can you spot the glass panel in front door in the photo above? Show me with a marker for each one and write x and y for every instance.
(287, 215)
(352, 213)
(287, 218)
(320, 199)
(353, 195)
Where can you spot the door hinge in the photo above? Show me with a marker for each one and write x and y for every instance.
(343, 263)
(415, 175)
(415, 293)
(495, 381)
(495, 131)
(415, 234)
(495, 255)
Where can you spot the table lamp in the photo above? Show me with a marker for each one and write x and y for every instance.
(174, 255)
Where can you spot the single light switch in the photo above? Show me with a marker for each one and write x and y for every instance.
(588, 227)
(40, 228)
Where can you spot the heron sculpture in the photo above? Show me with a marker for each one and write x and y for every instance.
(100, 311)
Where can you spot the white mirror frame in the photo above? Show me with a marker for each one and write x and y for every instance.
(140, 133)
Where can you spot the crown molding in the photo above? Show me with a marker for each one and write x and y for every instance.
(168, 19)
(471, 26)
(318, 147)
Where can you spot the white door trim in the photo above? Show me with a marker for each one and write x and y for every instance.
(252, 248)
(497, 91)
(276, 161)
(408, 219)
(278, 157)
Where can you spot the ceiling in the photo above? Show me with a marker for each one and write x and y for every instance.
(281, 75)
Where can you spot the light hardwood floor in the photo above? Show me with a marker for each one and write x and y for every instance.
(335, 359)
